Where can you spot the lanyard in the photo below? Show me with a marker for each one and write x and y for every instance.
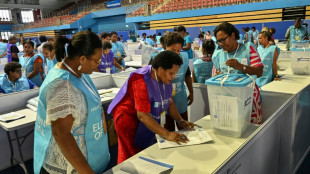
(162, 101)
(234, 54)
(90, 88)
(12, 83)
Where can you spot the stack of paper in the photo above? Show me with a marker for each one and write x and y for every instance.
(11, 117)
(142, 165)
(33, 103)
(196, 136)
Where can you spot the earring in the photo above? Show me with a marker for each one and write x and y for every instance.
(80, 67)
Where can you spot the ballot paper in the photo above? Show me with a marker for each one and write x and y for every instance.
(143, 165)
(11, 117)
(33, 103)
(196, 136)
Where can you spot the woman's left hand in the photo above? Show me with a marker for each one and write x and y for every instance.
(234, 63)
(190, 99)
(186, 125)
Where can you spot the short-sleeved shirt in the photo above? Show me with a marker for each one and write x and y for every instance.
(31, 86)
(14, 49)
(136, 98)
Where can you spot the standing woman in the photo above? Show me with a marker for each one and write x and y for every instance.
(239, 59)
(139, 108)
(118, 50)
(187, 47)
(49, 54)
(202, 67)
(269, 54)
(33, 64)
(108, 63)
(70, 131)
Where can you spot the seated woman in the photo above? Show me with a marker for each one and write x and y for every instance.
(33, 64)
(139, 108)
(108, 63)
(202, 68)
(238, 58)
(12, 80)
(269, 54)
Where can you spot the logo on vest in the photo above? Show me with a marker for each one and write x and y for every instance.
(41, 124)
(98, 130)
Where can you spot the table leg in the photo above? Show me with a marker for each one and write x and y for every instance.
(11, 147)
(20, 152)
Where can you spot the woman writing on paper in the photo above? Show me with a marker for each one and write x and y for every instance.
(140, 107)
(70, 131)
(239, 58)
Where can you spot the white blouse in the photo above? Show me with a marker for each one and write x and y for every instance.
(61, 100)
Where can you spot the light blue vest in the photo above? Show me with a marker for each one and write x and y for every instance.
(158, 40)
(28, 67)
(118, 51)
(249, 33)
(3, 48)
(243, 56)
(297, 33)
(202, 70)
(9, 87)
(98, 155)
(266, 55)
(51, 63)
(180, 97)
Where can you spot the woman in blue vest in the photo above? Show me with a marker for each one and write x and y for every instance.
(70, 130)
(33, 65)
(202, 67)
(238, 58)
(3, 48)
(118, 50)
(49, 54)
(174, 42)
(12, 80)
(139, 109)
(269, 55)
(187, 47)
(108, 63)
(296, 32)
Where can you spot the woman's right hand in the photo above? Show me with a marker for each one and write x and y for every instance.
(176, 137)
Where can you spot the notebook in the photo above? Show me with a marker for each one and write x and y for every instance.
(11, 117)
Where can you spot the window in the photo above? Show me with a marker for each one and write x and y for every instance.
(5, 15)
(5, 35)
(27, 16)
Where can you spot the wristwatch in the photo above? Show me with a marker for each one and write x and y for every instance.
(276, 76)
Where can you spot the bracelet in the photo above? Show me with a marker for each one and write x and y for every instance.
(180, 121)
(276, 76)
(244, 68)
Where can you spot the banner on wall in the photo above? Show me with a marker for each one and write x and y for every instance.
(114, 4)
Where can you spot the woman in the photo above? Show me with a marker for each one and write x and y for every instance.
(49, 53)
(108, 63)
(174, 42)
(272, 32)
(70, 131)
(33, 64)
(202, 68)
(118, 50)
(12, 80)
(269, 54)
(238, 58)
(140, 106)
(208, 35)
(187, 47)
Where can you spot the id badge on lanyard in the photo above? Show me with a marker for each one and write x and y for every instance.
(163, 118)
(174, 86)
(297, 37)
(108, 70)
(118, 54)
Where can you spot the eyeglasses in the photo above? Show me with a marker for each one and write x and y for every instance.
(96, 61)
(19, 71)
(223, 40)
